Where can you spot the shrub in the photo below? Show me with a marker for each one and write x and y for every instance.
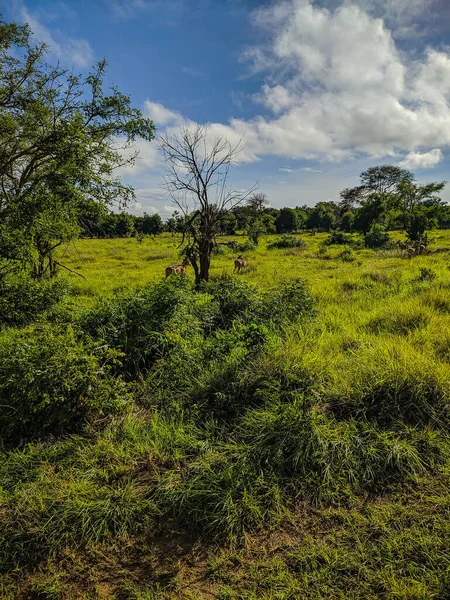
(23, 299)
(347, 255)
(289, 302)
(339, 238)
(246, 246)
(426, 274)
(135, 324)
(234, 300)
(377, 237)
(288, 241)
(52, 383)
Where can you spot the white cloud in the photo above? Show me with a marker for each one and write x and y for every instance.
(162, 115)
(337, 87)
(147, 159)
(425, 160)
(72, 51)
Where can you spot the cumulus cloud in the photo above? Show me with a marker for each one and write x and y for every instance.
(73, 51)
(162, 115)
(425, 160)
(337, 87)
(147, 158)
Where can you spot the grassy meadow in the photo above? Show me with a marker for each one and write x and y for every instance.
(263, 452)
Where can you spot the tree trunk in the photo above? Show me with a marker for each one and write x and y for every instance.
(205, 249)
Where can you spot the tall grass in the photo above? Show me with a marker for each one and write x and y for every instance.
(262, 406)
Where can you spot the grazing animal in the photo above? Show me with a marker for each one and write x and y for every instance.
(402, 246)
(421, 249)
(178, 269)
(411, 252)
(240, 263)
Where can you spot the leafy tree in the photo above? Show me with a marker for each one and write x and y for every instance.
(149, 224)
(323, 216)
(175, 224)
(59, 144)
(229, 223)
(124, 225)
(255, 207)
(376, 195)
(419, 207)
(389, 195)
(287, 220)
(346, 223)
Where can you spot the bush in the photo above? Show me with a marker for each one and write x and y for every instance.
(233, 300)
(289, 302)
(288, 241)
(246, 246)
(347, 255)
(339, 238)
(135, 324)
(377, 237)
(52, 383)
(426, 274)
(237, 321)
(23, 299)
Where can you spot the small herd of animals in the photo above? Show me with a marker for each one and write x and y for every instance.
(241, 263)
(416, 249)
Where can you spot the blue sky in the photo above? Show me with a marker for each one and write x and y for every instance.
(320, 89)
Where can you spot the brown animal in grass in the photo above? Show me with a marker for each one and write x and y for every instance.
(240, 263)
(178, 269)
(402, 246)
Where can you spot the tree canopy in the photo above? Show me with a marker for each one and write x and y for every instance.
(62, 137)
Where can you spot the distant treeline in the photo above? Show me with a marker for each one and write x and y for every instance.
(323, 217)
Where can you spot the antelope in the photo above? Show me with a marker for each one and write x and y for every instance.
(240, 263)
(178, 269)
(402, 246)
(421, 249)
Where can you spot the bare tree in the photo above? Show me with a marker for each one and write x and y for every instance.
(257, 202)
(198, 166)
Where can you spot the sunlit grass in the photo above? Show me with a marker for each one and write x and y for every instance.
(331, 482)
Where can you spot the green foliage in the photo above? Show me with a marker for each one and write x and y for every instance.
(377, 237)
(51, 174)
(22, 299)
(288, 220)
(339, 238)
(135, 324)
(288, 241)
(52, 383)
(321, 442)
(246, 246)
(426, 274)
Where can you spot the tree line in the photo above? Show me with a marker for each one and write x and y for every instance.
(388, 198)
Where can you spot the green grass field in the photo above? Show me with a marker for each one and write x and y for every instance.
(334, 485)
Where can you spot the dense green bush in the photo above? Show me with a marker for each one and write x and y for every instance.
(51, 383)
(288, 241)
(135, 324)
(23, 299)
(246, 246)
(339, 238)
(377, 237)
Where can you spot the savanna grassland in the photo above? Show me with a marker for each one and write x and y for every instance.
(283, 434)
